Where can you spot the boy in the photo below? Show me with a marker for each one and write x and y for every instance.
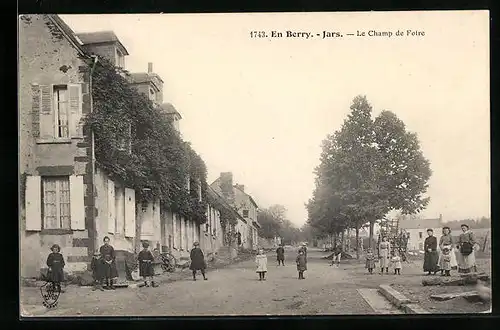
(280, 255)
(146, 259)
(301, 264)
(96, 266)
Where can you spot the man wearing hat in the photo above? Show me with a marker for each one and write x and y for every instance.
(197, 261)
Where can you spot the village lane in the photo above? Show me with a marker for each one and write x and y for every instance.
(228, 291)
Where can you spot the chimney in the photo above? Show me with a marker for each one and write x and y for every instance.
(226, 185)
(150, 67)
(440, 218)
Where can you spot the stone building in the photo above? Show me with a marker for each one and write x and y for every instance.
(244, 204)
(56, 166)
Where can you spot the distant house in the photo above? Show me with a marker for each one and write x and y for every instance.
(417, 230)
(244, 204)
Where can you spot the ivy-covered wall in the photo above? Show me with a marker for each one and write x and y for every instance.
(155, 156)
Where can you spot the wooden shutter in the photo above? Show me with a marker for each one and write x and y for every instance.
(129, 212)
(77, 206)
(111, 207)
(47, 120)
(33, 200)
(75, 110)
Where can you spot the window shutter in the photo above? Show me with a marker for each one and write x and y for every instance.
(33, 203)
(47, 121)
(77, 207)
(129, 212)
(75, 106)
(111, 207)
(35, 109)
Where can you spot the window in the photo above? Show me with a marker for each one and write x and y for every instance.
(420, 234)
(120, 59)
(56, 203)
(61, 111)
(152, 96)
(245, 213)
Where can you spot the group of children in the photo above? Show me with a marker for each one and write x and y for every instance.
(301, 261)
(395, 262)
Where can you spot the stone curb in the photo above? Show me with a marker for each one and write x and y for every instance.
(401, 301)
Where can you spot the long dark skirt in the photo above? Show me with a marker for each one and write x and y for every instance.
(431, 261)
(146, 269)
(109, 270)
(56, 275)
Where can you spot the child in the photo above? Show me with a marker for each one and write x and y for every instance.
(146, 259)
(301, 264)
(446, 261)
(96, 266)
(280, 255)
(55, 262)
(197, 261)
(370, 261)
(396, 263)
(261, 261)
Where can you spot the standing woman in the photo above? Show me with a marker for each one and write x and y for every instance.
(384, 250)
(446, 242)
(197, 261)
(431, 255)
(108, 263)
(466, 254)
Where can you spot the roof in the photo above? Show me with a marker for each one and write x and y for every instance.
(420, 223)
(170, 109)
(251, 199)
(101, 37)
(211, 191)
(68, 32)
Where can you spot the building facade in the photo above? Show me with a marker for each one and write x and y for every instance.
(56, 168)
(416, 230)
(235, 195)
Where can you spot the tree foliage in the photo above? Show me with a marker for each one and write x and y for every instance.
(158, 159)
(367, 168)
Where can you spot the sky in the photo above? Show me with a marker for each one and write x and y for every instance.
(260, 107)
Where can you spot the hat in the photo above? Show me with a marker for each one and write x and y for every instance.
(196, 244)
(55, 246)
(430, 230)
(145, 244)
(464, 225)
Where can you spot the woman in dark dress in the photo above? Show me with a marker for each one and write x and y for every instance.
(55, 262)
(108, 264)
(431, 255)
(197, 261)
(280, 255)
(146, 269)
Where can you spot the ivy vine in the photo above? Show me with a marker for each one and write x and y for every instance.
(159, 161)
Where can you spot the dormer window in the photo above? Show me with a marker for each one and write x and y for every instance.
(120, 59)
(245, 213)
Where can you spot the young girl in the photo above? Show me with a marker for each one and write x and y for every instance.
(55, 262)
(370, 261)
(261, 262)
(109, 271)
(146, 264)
(96, 266)
(301, 264)
(446, 261)
(396, 263)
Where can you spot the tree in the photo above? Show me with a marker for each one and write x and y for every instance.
(368, 168)
(270, 226)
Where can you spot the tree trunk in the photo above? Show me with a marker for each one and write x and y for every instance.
(357, 242)
(372, 225)
(334, 240)
(342, 240)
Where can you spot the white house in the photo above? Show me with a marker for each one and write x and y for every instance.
(417, 230)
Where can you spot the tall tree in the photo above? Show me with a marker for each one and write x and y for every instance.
(368, 168)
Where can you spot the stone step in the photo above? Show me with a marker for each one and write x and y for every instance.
(377, 302)
(448, 296)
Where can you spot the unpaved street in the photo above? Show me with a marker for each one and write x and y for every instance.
(228, 291)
